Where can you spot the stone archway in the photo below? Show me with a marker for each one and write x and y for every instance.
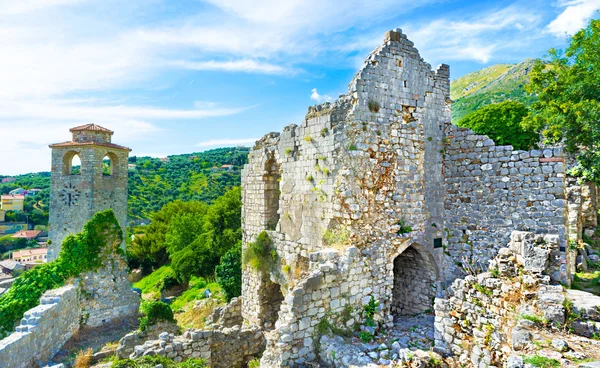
(271, 298)
(415, 280)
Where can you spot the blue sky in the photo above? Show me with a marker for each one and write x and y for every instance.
(188, 75)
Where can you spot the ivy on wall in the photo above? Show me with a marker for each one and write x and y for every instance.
(80, 253)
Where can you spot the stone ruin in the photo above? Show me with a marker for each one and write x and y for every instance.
(377, 195)
(378, 198)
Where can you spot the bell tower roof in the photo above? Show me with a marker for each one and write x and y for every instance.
(90, 135)
(91, 128)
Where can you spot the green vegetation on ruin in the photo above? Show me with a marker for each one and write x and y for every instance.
(80, 253)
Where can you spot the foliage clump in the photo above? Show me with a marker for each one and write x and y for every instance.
(260, 254)
(153, 312)
(502, 123)
(404, 228)
(79, 253)
(541, 361)
(192, 236)
(229, 272)
(157, 360)
(568, 106)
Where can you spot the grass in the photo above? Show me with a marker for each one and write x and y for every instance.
(196, 292)
(189, 317)
(482, 289)
(149, 284)
(535, 319)
(541, 361)
(83, 359)
(587, 281)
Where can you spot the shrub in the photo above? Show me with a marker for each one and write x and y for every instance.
(192, 363)
(254, 363)
(373, 106)
(324, 132)
(229, 272)
(168, 281)
(541, 361)
(153, 312)
(83, 359)
(365, 337)
(404, 228)
(258, 254)
(80, 253)
(502, 123)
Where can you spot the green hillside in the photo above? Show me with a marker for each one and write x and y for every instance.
(493, 84)
(154, 182)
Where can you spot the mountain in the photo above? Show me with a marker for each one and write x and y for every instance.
(493, 84)
(154, 182)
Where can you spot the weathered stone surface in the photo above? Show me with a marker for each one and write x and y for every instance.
(43, 330)
(74, 199)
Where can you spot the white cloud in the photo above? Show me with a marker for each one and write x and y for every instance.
(29, 126)
(315, 96)
(476, 37)
(246, 66)
(227, 142)
(11, 7)
(574, 17)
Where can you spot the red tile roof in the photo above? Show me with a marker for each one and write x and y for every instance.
(80, 144)
(91, 127)
(27, 234)
(12, 196)
(29, 252)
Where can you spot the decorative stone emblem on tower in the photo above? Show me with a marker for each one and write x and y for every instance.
(99, 183)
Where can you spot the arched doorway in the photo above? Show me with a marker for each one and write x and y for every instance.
(415, 281)
(271, 299)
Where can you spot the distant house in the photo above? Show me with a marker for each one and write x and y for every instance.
(27, 234)
(18, 191)
(227, 167)
(32, 192)
(36, 255)
(12, 202)
(131, 167)
(164, 159)
(8, 267)
(11, 227)
(8, 180)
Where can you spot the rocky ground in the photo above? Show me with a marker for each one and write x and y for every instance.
(410, 338)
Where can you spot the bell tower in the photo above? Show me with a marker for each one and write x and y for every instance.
(98, 183)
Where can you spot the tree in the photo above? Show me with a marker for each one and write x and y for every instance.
(229, 272)
(502, 123)
(151, 248)
(568, 110)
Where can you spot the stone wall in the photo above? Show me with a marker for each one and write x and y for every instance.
(227, 348)
(351, 174)
(228, 315)
(43, 330)
(478, 322)
(106, 294)
(491, 191)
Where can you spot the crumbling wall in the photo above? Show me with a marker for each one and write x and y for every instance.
(354, 173)
(477, 323)
(43, 330)
(226, 348)
(336, 289)
(492, 190)
(106, 294)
